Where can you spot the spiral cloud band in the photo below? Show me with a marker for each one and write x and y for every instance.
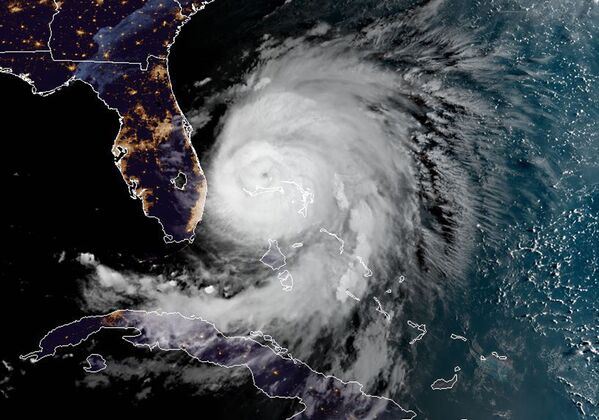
(330, 185)
(303, 152)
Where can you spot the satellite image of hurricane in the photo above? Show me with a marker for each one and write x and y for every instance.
(300, 209)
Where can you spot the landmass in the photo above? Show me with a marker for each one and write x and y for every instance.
(286, 280)
(351, 295)
(379, 309)
(341, 241)
(420, 327)
(276, 373)
(368, 271)
(96, 363)
(498, 356)
(120, 49)
(274, 258)
(458, 337)
(443, 384)
(306, 194)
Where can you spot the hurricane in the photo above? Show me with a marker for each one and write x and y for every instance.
(318, 153)
(357, 171)
(332, 188)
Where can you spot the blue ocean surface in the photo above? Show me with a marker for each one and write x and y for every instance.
(526, 303)
(401, 193)
(533, 294)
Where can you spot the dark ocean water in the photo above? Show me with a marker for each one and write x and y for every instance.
(526, 289)
(531, 284)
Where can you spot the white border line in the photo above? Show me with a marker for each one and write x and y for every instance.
(32, 355)
(167, 238)
(89, 368)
